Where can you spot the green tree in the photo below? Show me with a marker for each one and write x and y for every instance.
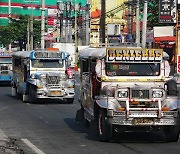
(16, 31)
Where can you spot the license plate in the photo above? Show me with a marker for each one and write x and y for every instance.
(55, 93)
(143, 121)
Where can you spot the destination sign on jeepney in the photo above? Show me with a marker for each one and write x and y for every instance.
(47, 55)
(5, 54)
(129, 54)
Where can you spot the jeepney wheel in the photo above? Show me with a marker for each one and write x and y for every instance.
(172, 133)
(172, 88)
(104, 129)
(32, 94)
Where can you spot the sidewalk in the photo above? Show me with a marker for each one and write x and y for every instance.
(8, 146)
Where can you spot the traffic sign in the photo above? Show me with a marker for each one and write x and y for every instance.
(178, 64)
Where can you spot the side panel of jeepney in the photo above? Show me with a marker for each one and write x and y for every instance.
(86, 83)
(18, 74)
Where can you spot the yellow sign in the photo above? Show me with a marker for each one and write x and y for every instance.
(120, 79)
(128, 54)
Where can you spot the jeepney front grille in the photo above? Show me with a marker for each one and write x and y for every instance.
(140, 94)
(53, 80)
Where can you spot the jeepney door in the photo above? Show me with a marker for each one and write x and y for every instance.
(85, 83)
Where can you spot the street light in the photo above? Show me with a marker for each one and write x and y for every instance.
(61, 8)
(42, 24)
(75, 33)
(9, 15)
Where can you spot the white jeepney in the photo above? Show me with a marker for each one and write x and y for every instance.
(42, 74)
(128, 89)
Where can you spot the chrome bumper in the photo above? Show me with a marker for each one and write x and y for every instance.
(146, 118)
(56, 93)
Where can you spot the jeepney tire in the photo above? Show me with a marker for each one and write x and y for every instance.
(172, 88)
(104, 129)
(32, 94)
(86, 123)
(172, 133)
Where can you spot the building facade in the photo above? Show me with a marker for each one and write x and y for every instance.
(28, 7)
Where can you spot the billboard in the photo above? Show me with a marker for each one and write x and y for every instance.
(167, 11)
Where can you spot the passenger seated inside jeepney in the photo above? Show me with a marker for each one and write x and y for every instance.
(37, 64)
(47, 63)
(132, 69)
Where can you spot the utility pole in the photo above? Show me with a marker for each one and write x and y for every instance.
(31, 27)
(137, 25)
(144, 24)
(75, 33)
(28, 35)
(66, 21)
(9, 15)
(129, 21)
(42, 24)
(103, 22)
(87, 23)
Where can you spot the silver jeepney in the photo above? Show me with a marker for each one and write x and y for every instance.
(126, 89)
(42, 74)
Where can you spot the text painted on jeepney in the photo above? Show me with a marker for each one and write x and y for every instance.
(113, 55)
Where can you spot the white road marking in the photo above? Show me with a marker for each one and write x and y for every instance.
(32, 146)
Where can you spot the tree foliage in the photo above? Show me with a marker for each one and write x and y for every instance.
(16, 32)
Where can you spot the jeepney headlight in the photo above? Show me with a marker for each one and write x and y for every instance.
(122, 94)
(70, 84)
(157, 94)
(62, 76)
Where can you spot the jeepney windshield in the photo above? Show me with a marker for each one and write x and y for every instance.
(47, 63)
(132, 69)
(6, 60)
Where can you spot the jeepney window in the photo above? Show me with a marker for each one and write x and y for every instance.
(85, 65)
(47, 63)
(93, 64)
(132, 69)
(17, 62)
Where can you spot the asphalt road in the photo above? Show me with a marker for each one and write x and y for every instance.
(50, 128)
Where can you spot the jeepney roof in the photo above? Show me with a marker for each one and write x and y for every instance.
(26, 54)
(92, 52)
(98, 52)
(22, 54)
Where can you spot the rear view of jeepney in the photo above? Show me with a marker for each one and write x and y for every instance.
(136, 93)
(44, 75)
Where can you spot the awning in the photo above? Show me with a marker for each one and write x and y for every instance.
(165, 39)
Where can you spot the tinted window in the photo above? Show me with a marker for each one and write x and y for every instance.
(132, 69)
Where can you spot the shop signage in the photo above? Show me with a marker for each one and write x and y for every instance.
(167, 11)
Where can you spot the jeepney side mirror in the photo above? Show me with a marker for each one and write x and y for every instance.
(98, 68)
(165, 56)
(61, 62)
(167, 68)
(69, 61)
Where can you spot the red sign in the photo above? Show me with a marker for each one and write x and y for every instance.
(178, 64)
(51, 22)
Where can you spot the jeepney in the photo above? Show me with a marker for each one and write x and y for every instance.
(5, 67)
(128, 89)
(42, 74)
